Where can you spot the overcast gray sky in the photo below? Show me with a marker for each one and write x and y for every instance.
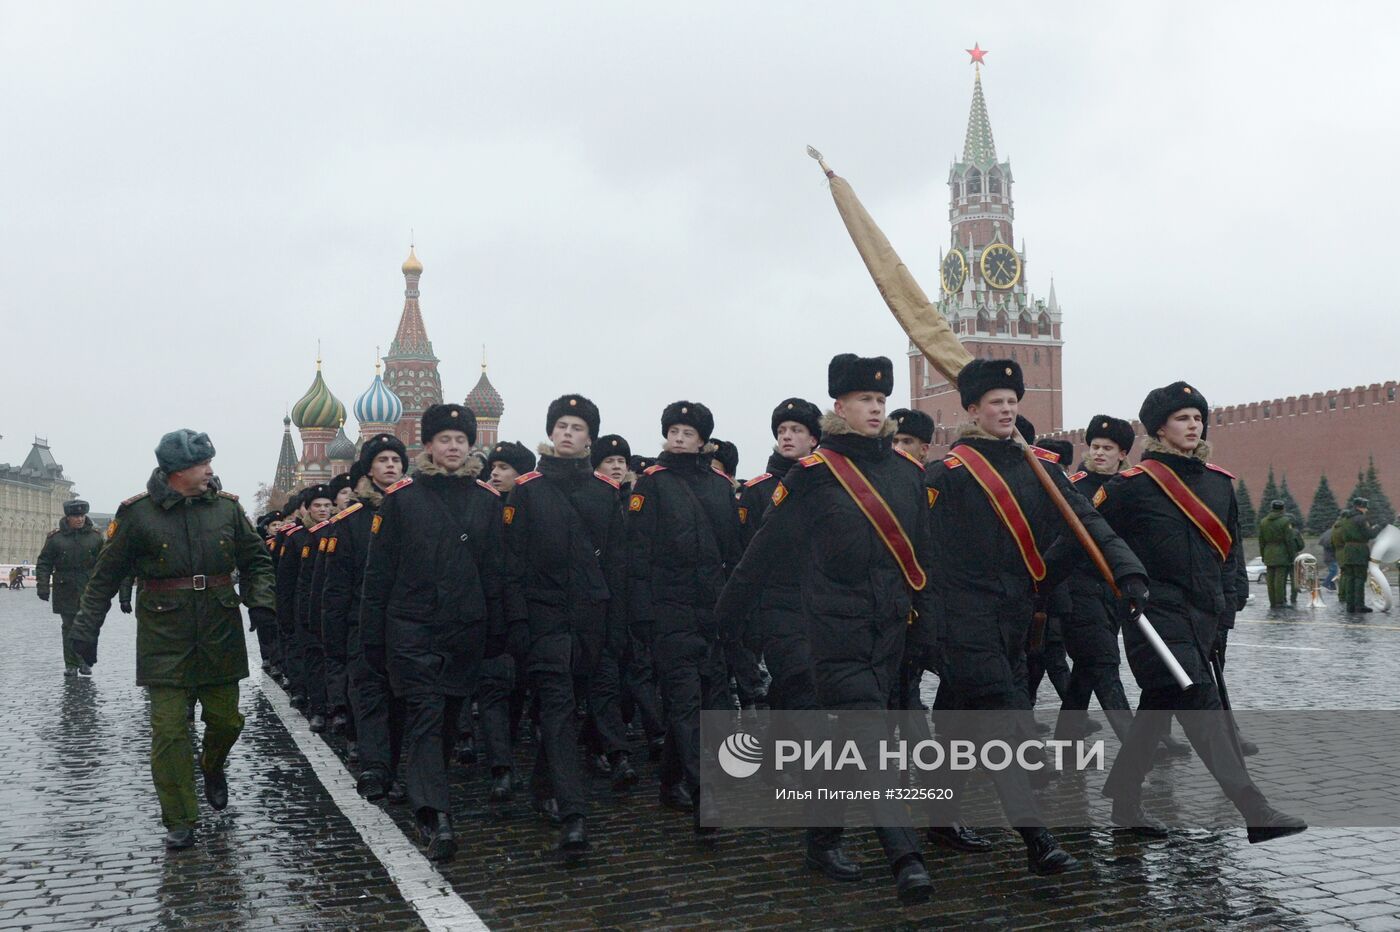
(614, 198)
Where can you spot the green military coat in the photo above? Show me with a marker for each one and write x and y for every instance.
(1278, 541)
(65, 563)
(1352, 540)
(183, 637)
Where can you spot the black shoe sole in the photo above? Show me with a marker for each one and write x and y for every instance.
(1258, 836)
(833, 875)
(1041, 869)
(1142, 831)
(442, 849)
(943, 841)
(624, 782)
(916, 894)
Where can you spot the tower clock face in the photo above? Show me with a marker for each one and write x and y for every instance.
(953, 271)
(1001, 267)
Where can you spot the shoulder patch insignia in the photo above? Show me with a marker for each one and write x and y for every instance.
(952, 462)
(757, 479)
(224, 494)
(305, 551)
(508, 515)
(374, 525)
(910, 457)
(322, 545)
(112, 528)
(779, 493)
(330, 544)
(347, 512)
(1077, 476)
(530, 476)
(811, 460)
(653, 470)
(932, 496)
(612, 482)
(743, 515)
(135, 498)
(1131, 471)
(295, 529)
(1100, 495)
(406, 480)
(489, 487)
(635, 503)
(1222, 470)
(714, 464)
(1045, 455)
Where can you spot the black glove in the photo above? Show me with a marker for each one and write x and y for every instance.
(1134, 589)
(374, 658)
(43, 595)
(86, 650)
(126, 608)
(258, 617)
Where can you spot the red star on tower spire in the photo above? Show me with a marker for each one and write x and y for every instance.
(979, 54)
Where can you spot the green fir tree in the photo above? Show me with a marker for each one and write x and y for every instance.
(1270, 493)
(1249, 519)
(1360, 491)
(1290, 504)
(1381, 509)
(1323, 513)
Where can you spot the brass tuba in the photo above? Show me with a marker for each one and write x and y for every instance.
(1306, 579)
(1385, 551)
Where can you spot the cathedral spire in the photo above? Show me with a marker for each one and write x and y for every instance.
(411, 339)
(285, 477)
(978, 146)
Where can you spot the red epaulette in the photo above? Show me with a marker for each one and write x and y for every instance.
(714, 464)
(951, 461)
(489, 487)
(295, 528)
(1131, 471)
(1045, 454)
(811, 460)
(1077, 476)
(1221, 469)
(135, 498)
(346, 512)
(612, 482)
(651, 470)
(757, 479)
(398, 485)
(910, 457)
(528, 477)
(316, 527)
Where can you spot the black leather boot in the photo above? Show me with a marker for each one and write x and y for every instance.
(215, 788)
(441, 840)
(502, 788)
(371, 785)
(958, 837)
(1129, 815)
(548, 808)
(573, 839)
(677, 797)
(623, 776)
(179, 838)
(1268, 824)
(911, 882)
(1044, 854)
(833, 863)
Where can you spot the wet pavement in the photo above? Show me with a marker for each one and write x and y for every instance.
(80, 835)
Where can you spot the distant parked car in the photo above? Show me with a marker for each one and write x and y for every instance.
(1256, 570)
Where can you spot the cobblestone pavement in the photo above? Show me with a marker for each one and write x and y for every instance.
(80, 837)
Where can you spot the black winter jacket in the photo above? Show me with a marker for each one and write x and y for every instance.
(294, 540)
(347, 552)
(1091, 628)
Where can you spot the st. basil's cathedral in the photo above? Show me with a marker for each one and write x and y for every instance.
(404, 387)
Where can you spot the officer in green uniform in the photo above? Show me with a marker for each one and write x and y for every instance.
(1352, 540)
(62, 570)
(183, 539)
(1278, 545)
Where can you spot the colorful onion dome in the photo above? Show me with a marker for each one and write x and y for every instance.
(342, 448)
(318, 408)
(484, 400)
(378, 404)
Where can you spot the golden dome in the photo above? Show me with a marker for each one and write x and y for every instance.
(411, 265)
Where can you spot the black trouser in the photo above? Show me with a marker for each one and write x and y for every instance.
(557, 772)
(1095, 678)
(430, 729)
(493, 705)
(788, 654)
(313, 669)
(1049, 661)
(379, 714)
(268, 646)
(899, 841)
(1012, 783)
(693, 677)
(606, 732)
(337, 683)
(1209, 734)
(289, 650)
(639, 691)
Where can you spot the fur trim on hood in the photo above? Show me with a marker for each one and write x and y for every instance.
(367, 491)
(547, 449)
(709, 447)
(424, 465)
(833, 425)
(629, 479)
(1202, 451)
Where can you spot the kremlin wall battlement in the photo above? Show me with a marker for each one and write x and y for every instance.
(1301, 437)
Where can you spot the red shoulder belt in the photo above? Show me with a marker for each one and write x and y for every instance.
(1005, 505)
(1206, 521)
(876, 511)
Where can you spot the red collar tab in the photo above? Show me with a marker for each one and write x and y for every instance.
(528, 477)
(757, 479)
(612, 482)
(1077, 476)
(1222, 470)
(489, 487)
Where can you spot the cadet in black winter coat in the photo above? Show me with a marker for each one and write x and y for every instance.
(306, 607)
(563, 537)
(378, 713)
(857, 598)
(432, 596)
(294, 542)
(1180, 512)
(683, 541)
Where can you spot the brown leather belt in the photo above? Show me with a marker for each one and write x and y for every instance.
(197, 583)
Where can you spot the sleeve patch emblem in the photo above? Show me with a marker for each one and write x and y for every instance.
(509, 514)
(111, 528)
(305, 551)
(1100, 496)
(779, 494)
(374, 525)
(635, 503)
(322, 545)
(743, 515)
(330, 545)
(932, 497)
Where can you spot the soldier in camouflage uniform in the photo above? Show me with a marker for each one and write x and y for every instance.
(184, 539)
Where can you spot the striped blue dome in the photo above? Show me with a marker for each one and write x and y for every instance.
(379, 404)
